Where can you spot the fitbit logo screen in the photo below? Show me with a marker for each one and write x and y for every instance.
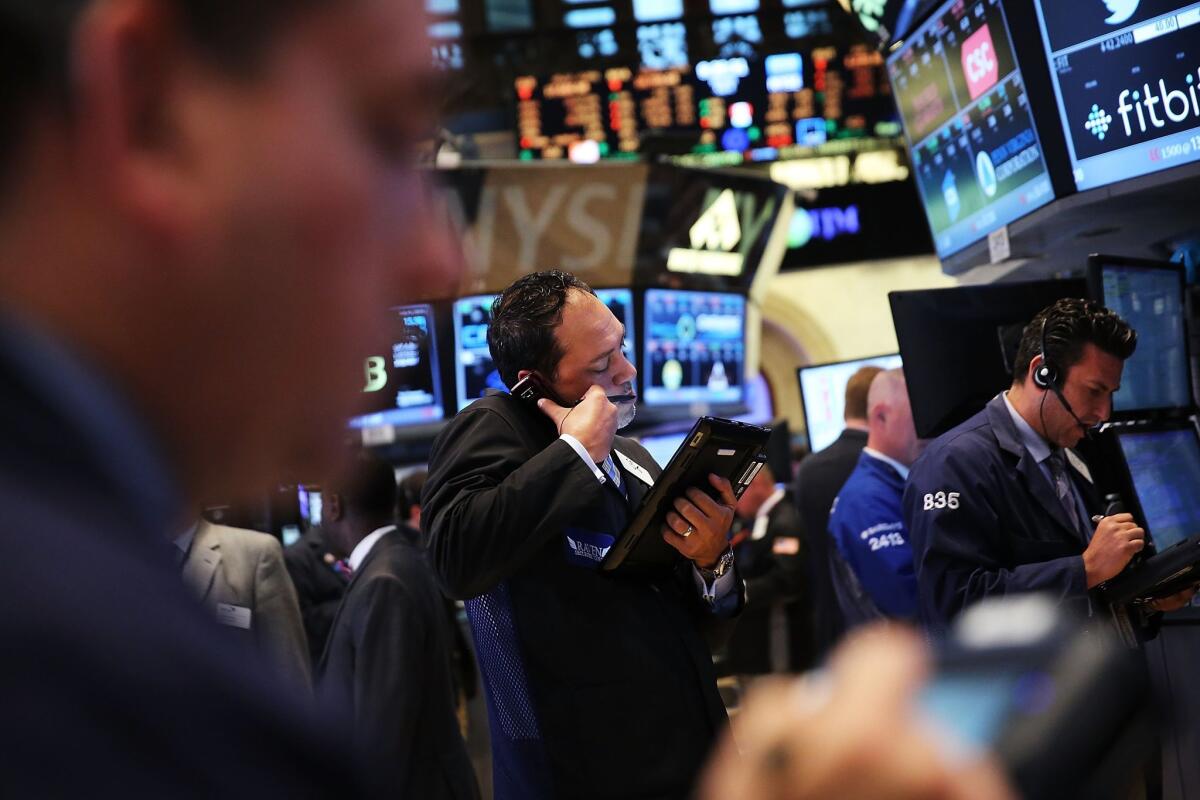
(1144, 110)
(1129, 99)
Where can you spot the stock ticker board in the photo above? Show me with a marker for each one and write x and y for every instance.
(749, 105)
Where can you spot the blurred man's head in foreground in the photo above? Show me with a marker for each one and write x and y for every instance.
(213, 202)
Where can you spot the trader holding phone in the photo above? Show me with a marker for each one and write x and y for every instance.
(599, 685)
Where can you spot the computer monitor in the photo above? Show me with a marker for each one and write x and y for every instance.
(1165, 468)
(620, 303)
(472, 359)
(694, 348)
(1149, 296)
(663, 446)
(403, 386)
(823, 396)
(957, 344)
(1126, 78)
(977, 157)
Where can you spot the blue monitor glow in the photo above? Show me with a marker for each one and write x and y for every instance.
(1165, 467)
(1150, 299)
(1126, 77)
(823, 396)
(405, 385)
(976, 155)
(620, 303)
(661, 448)
(472, 359)
(694, 348)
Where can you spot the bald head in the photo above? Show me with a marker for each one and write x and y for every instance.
(887, 387)
(889, 418)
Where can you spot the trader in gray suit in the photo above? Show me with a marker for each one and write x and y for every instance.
(240, 578)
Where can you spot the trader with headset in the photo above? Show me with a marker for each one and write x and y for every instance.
(1001, 504)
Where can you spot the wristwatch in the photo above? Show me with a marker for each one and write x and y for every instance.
(723, 565)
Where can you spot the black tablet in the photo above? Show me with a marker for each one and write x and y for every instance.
(732, 450)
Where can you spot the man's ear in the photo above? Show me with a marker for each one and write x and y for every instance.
(522, 374)
(131, 68)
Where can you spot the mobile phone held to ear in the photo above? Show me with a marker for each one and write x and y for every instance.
(533, 387)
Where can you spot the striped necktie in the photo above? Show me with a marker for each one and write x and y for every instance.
(1057, 461)
(610, 469)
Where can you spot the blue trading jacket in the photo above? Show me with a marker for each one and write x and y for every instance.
(867, 525)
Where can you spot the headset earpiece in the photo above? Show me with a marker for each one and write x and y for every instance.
(1045, 376)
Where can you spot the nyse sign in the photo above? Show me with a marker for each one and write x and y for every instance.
(516, 220)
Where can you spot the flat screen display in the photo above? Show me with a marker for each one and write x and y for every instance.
(1126, 75)
(976, 155)
(663, 447)
(472, 359)
(1151, 300)
(403, 386)
(694, 347)
(1165, 466)
(823, 396)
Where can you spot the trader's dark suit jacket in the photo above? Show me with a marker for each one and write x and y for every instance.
(318, 588)
(387, 659)
(776, 593)
(114, 681)
(599, 685)
(1003, 532)
(819, 478)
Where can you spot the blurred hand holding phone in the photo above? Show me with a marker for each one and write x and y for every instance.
(1022, 700)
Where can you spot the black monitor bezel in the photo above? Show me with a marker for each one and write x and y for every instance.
(1095, 284)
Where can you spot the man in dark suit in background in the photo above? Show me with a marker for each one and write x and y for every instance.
(599, 685)
(774, 633)
(387, 656)
(319, 583)
(185, 186)
(819, 478)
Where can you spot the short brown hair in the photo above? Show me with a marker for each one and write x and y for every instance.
(857, 389)
(1065, 327)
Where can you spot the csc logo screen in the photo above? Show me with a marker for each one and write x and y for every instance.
(979, 62)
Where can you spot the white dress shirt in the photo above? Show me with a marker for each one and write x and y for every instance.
(363, 548)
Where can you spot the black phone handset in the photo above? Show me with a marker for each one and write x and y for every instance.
(534, 387)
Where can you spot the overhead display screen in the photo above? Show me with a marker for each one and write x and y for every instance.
(695, 347)
(472, 358)
(752, 105)
(976, 154)
(404, 384)
(1126, 75)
